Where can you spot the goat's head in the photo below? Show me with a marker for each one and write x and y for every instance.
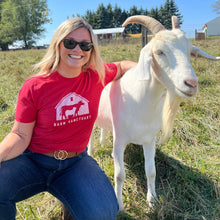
(168, 56)
(170, 51)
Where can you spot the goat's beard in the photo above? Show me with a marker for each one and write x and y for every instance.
(170, 108)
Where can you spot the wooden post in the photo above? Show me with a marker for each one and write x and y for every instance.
(65, 213)
(196, 37)
(144, 35)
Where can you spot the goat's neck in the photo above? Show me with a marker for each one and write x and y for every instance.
(157, 89)
(146, 92)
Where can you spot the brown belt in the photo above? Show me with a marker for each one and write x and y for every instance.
(62, 154)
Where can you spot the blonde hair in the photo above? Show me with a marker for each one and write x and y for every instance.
(50, 61)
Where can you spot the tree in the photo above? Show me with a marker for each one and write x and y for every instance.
(123, 17)
(5, 36)
(216, 7)
(155, 13)
(109, 16)
(101, 15)
(117, 16)
(90, 17)
(23, 20)
(134, 28)
(167, 11)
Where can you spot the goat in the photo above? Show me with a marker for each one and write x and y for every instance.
(149, 95)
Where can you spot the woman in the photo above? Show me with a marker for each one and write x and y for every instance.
(55, 114)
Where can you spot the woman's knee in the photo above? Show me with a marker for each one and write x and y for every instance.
(5, 183)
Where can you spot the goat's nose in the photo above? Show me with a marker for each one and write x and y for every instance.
(193, 83)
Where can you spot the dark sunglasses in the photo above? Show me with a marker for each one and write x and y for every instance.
(71, 44)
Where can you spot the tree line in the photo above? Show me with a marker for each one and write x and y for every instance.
(112, 17)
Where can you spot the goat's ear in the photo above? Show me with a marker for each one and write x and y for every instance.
(144, 64)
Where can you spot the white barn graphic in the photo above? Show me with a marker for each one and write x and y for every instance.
(71, 106)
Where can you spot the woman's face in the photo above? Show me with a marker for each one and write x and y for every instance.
(72, 60)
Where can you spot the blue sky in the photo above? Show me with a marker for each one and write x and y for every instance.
(195, 12)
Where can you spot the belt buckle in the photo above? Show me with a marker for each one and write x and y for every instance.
(61, 154)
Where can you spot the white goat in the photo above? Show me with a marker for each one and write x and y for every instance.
(145, 100)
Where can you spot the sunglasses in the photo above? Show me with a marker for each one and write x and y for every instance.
(71, 44)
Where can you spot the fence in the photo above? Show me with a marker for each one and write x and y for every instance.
(200, 35)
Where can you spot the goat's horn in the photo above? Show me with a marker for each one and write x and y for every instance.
(152, 24)
(196, 52)
(175, 22)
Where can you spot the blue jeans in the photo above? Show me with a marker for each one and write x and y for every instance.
(78, 182)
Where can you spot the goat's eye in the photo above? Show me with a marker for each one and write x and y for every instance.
(159, 52)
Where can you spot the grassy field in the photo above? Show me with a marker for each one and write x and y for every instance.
(188, 165)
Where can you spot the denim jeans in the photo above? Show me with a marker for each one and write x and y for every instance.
(78, 182)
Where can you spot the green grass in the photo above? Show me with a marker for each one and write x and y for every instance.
(188, 165)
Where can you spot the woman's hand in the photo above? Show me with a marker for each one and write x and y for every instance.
(123, 67)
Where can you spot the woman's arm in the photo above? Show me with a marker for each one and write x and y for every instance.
(16, 141)
(123, 67)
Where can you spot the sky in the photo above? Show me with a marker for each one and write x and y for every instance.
(195, 13)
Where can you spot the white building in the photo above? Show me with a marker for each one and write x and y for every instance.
(213, 27)
(109, 33)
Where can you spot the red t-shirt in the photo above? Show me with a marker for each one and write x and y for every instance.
(64, 109)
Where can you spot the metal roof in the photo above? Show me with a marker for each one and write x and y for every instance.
(109, 30)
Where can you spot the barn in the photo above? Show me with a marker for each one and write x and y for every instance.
(109, 33)
(213, 27)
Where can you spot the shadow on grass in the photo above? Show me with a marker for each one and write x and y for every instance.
(183, 192)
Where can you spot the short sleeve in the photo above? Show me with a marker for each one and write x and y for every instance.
(110, 72)
(26, 110)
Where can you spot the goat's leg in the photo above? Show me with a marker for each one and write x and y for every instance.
(150, 170)
(119, 172)
(103, 134)
(91, 144)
